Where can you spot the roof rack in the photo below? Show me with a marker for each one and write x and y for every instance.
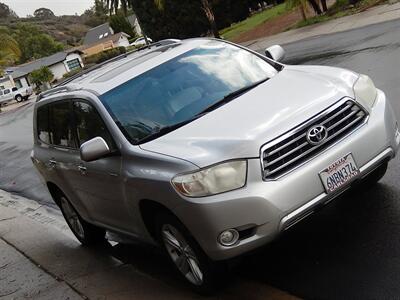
(161, 43)
(52, 91)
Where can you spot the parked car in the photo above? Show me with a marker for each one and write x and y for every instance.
(7, 95)
(140, 42)
(207, 148)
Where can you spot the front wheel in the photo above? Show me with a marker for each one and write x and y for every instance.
(186, 255)
(19, 98)
(86, 233)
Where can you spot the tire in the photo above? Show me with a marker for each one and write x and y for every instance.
(85, 232)
(376, 174)
(19, 98)
(197, 270)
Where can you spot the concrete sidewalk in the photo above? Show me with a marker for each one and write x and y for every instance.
(374, 15)
(40, 259)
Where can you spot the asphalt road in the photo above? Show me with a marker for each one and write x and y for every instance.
(349, 250)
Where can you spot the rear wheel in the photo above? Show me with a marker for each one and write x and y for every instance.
(85, 232)
(188, 258)
(19, 98)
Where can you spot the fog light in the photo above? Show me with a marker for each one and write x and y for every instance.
(228, 237)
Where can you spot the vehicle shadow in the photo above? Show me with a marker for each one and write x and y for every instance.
(341, 251)
(338, 253)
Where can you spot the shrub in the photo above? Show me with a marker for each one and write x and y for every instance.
(71, 73)
(105, 55)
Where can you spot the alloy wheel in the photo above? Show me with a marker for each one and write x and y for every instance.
(72, 218)
(182, 254)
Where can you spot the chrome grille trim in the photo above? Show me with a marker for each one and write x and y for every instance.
(281, 155)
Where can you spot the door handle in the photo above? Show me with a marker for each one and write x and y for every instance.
(82, 169)
(52, 163)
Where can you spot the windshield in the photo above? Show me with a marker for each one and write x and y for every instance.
(178, 90)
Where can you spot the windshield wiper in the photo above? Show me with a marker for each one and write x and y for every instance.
(159, 131)
(229, 97)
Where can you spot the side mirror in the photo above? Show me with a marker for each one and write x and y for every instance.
(94, 149)
(275, 52)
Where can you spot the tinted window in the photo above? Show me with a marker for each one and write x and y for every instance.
(1, 92)
(7, 91)
(179, 89)
(14, 89)
(43, 124)
(89, 124)
(61, 133)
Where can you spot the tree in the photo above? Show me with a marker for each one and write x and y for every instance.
(6, 12)
(43, 13)
(205, 6)
(9, 50)
(315, 6)
(301, 4)
(41, 76)
(119, 23)
(34, 43)
(97, 14)
(324, 6)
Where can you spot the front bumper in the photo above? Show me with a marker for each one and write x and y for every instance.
(268, 208)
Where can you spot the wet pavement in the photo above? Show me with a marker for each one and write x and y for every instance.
(348, 250)
(351, 248)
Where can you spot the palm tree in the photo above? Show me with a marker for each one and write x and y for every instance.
(301, 4)
(205, 5)
(9, 49)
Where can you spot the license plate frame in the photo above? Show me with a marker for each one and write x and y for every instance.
(339, 174)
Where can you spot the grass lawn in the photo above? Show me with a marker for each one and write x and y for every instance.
(339, 9)
(236, 29)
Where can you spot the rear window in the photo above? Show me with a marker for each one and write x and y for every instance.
(43, 124)
(54, 124)
(61, 124)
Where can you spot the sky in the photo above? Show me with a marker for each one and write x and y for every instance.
(59, 7)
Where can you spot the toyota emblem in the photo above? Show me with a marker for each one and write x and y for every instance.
(317, 134)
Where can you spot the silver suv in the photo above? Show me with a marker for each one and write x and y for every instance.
(207, 148)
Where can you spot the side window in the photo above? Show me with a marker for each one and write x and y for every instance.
(1, 93)
(89, 124)
(61, 124)
(14, 89)
(7, 91)
(42, 125)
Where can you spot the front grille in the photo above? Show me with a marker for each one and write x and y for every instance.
(293, 148)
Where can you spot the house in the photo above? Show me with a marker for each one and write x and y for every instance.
(133, 20)
(59, 63)
(110, 42)
(98, 33)
(6, 82)
(103, 37)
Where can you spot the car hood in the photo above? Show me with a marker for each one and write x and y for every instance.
(239, 128)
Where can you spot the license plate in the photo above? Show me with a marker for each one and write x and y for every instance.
(339, 174)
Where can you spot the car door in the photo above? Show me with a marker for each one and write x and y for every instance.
(100, 182)
(62, 153)
(8, 95)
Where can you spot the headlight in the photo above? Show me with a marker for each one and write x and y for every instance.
(214, 180)
(365, 91)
